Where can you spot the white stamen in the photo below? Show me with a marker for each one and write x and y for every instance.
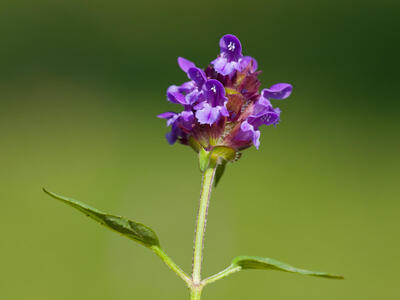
(214, 89)
(231, 46)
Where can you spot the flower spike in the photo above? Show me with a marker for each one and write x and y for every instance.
(222, 104)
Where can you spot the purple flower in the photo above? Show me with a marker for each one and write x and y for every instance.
(189, 92)
(175, 95)
(247, 61)
(231, 53)
(180, 123)
(264, 114)
(195, 74)
(231, 48)
(231, 58)
(248, 133)
(198, 76)
(214, 105)
(223, 105)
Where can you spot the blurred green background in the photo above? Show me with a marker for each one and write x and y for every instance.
(80, 85)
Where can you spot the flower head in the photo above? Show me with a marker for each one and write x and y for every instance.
(222, 104)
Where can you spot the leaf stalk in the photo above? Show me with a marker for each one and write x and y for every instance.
(224, 273)
(172, 265)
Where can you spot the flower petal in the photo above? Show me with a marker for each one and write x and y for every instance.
(256, 138)
(224, 111)
(247, 62)
(261, 107)
(248, 133)
(200, 105)
(185, 64)
(187, 87)
(167, 115)
(197, 75)
(230, 47)
(208, 114)
(193, 97)
(268, 118)
(174, 95)
(223, 66)
(278, 91)
(186, 119)
(215, 93)
(172, 136)
(171, 117)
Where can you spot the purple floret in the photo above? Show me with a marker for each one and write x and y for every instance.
(247, 133)
(245, 62)
(214, 105)
(189, 92)
(231, 58)
(263, 114)
(179, 123)
(231, 52)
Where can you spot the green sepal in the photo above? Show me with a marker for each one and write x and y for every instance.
(194, 144)
(130, 229)
(219, 172)
(204, 159)
(263, 263)
(222, 153)
(220, 156)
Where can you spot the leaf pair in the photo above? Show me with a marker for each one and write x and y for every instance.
(148, 238)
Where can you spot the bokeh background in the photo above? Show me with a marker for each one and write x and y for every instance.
(80, 85)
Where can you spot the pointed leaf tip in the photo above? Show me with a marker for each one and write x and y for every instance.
(219, 172)
(130, 229)
(264, 263)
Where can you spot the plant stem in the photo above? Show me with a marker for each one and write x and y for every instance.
(195, 294)
(172, 265)
(208, 178)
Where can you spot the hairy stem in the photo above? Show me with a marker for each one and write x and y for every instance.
(195, 294)
(172, 265)
(208, 178)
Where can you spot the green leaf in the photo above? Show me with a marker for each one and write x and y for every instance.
(254, 262)
(130, 229)
(219, 172)
(204, 159)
